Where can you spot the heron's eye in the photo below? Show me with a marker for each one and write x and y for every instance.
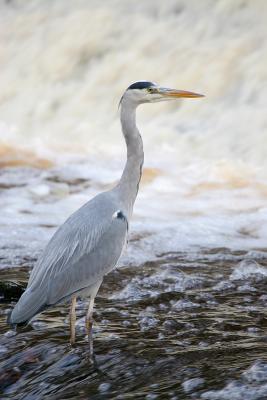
(150, 90)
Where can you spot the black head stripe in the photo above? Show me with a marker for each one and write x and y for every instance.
(141, 85)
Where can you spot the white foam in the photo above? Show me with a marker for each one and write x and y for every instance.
(191, 384)
(248, 269)
(60, 93)
(64, 67)
(243, 388)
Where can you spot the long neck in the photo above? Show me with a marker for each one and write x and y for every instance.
(129, 182)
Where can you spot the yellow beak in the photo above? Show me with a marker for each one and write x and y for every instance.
(178, 93)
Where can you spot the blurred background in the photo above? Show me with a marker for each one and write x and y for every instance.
(64, 67)
(185, 315)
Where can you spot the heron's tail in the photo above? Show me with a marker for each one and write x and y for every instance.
(31, 303)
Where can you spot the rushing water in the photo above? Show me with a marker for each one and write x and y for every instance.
(184, 317)
(189, 325)
(174, 324)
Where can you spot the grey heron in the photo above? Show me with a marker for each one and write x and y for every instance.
(90, 242)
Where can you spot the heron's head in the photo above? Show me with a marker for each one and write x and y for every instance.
(149, 92)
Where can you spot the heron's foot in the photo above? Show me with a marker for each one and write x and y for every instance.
(92, 360)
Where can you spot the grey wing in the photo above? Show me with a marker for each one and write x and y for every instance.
(93, 264)
(84, 248)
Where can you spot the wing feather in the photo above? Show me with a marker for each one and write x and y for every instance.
(82, 250)
(79, 233)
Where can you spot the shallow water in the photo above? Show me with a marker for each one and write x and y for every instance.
(189, 325)
(174, 324)
(182, 318)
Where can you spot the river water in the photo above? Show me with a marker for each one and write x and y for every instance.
(183, 317)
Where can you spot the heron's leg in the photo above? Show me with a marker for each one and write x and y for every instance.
(89, 324)
(72, 320)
